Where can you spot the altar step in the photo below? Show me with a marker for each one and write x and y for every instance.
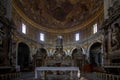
(85, 76)
(31, 76)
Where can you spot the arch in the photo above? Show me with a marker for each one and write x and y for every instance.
(53, 52)
(22, 41)
(73, 53)
(95, 56)
(49, 52)
(40, 57)
(72, 50)
(76, 51)
(88, 48)
(65, 51)
(83, 50)
(78, 57)
(42, 52)
(23, 55)
(76, 48)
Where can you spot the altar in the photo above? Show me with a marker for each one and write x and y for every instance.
(58, 66)
(72, 72)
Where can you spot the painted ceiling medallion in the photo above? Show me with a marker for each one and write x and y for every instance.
(59, 9)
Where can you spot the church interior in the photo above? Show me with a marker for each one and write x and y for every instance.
(59, 40)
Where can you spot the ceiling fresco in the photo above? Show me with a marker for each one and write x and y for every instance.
(59, 14)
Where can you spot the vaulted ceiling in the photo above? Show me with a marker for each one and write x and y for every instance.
(59, 14)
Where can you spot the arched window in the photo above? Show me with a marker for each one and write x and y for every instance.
(23, 28)
(42, 37)
(77, 37)
(95, 28)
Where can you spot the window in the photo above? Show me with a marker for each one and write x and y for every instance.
(60, 37)
(95, 28)
(41, 36)
(23, 28)
(77, 36)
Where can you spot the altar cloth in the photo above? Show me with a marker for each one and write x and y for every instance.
(54, 69)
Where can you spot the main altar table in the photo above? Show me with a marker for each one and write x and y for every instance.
(37, 69)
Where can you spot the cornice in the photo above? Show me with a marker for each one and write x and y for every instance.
(59, 31)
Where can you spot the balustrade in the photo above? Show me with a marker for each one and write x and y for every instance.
(10, 76)
(112, 64)
(102, 76)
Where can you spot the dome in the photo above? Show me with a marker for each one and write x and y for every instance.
(57, 15)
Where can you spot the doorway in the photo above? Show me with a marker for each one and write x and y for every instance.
(95, 54)
(23, 55)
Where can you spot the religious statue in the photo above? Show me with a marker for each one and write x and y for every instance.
(115, 36)
(59, 42)
(59, 54)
